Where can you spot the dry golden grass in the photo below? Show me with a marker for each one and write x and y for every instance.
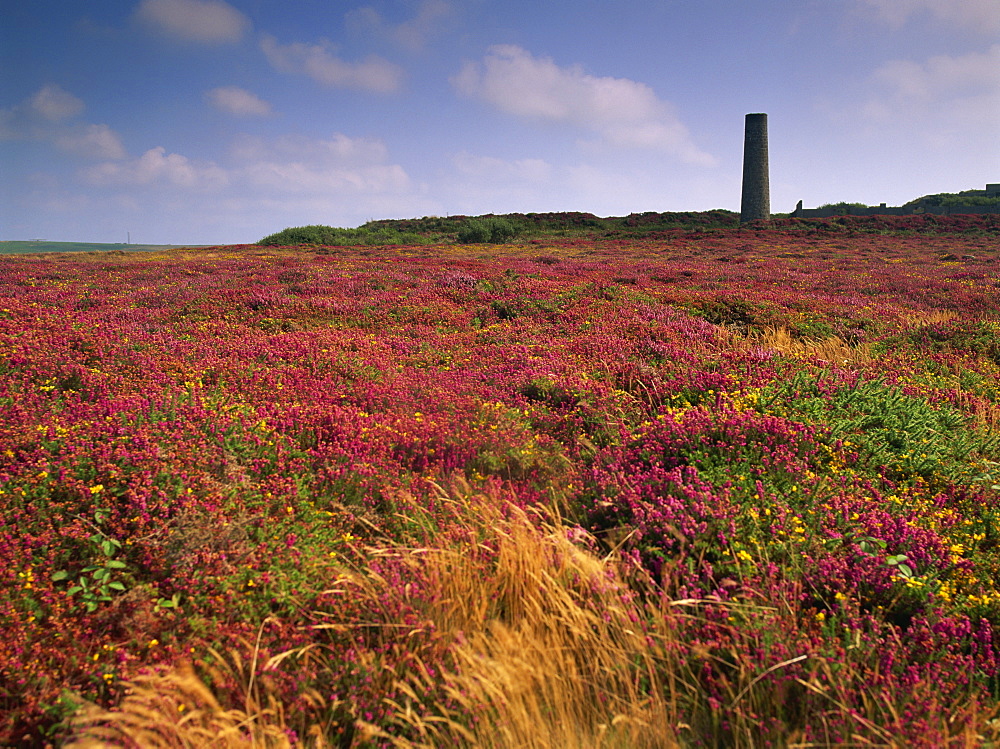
(930, 317)
(529, 639)
(551, 650)
(547, 643)
(832, 350)
(177, 710)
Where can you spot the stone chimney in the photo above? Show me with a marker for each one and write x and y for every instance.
(756, 202)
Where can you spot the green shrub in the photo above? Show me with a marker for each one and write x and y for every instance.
(897, 436)
(313, 234)
(329, 235)
(844, 205)
(488, 230)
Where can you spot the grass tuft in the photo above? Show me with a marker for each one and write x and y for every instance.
(831, 350)
(177, 709)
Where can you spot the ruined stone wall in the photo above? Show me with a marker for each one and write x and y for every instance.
(937, 210)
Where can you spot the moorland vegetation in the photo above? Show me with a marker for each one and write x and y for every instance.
(497, 229)
(704, 486)
(965, 197)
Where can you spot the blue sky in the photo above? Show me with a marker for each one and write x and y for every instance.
(211, 121)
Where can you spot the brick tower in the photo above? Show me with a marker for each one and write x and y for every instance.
(756, 202)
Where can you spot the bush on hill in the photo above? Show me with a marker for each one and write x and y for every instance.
(844, 205)
(497, 228)
(966, 197)
(329, 235)
(488, 230)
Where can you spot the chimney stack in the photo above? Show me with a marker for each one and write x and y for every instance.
(756, 202)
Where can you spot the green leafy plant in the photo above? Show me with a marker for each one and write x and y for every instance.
(875, 547)
(169, 603)
(97, 583)
(899, 562)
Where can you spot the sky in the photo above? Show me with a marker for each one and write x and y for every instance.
(222, 121)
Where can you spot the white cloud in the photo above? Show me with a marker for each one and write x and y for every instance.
(980, 15)
(340, 150)
(413, 34)
(974, 73)
(297, 164)
(964, 90)
(622, 112)
(238, 101)
(55, 103)
(349, 167)
(618, 186)
(303, 178)
(92, 141)
(529, 171)
(319, 62)
(260, 186)
(205, 21)
(41, 117)
(487, 184)
(157, 167)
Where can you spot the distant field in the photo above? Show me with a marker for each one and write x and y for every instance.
(15, 247)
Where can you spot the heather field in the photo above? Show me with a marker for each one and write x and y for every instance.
(715, 488)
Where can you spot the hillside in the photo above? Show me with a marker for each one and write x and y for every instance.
(966, 197)
(541, 227)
